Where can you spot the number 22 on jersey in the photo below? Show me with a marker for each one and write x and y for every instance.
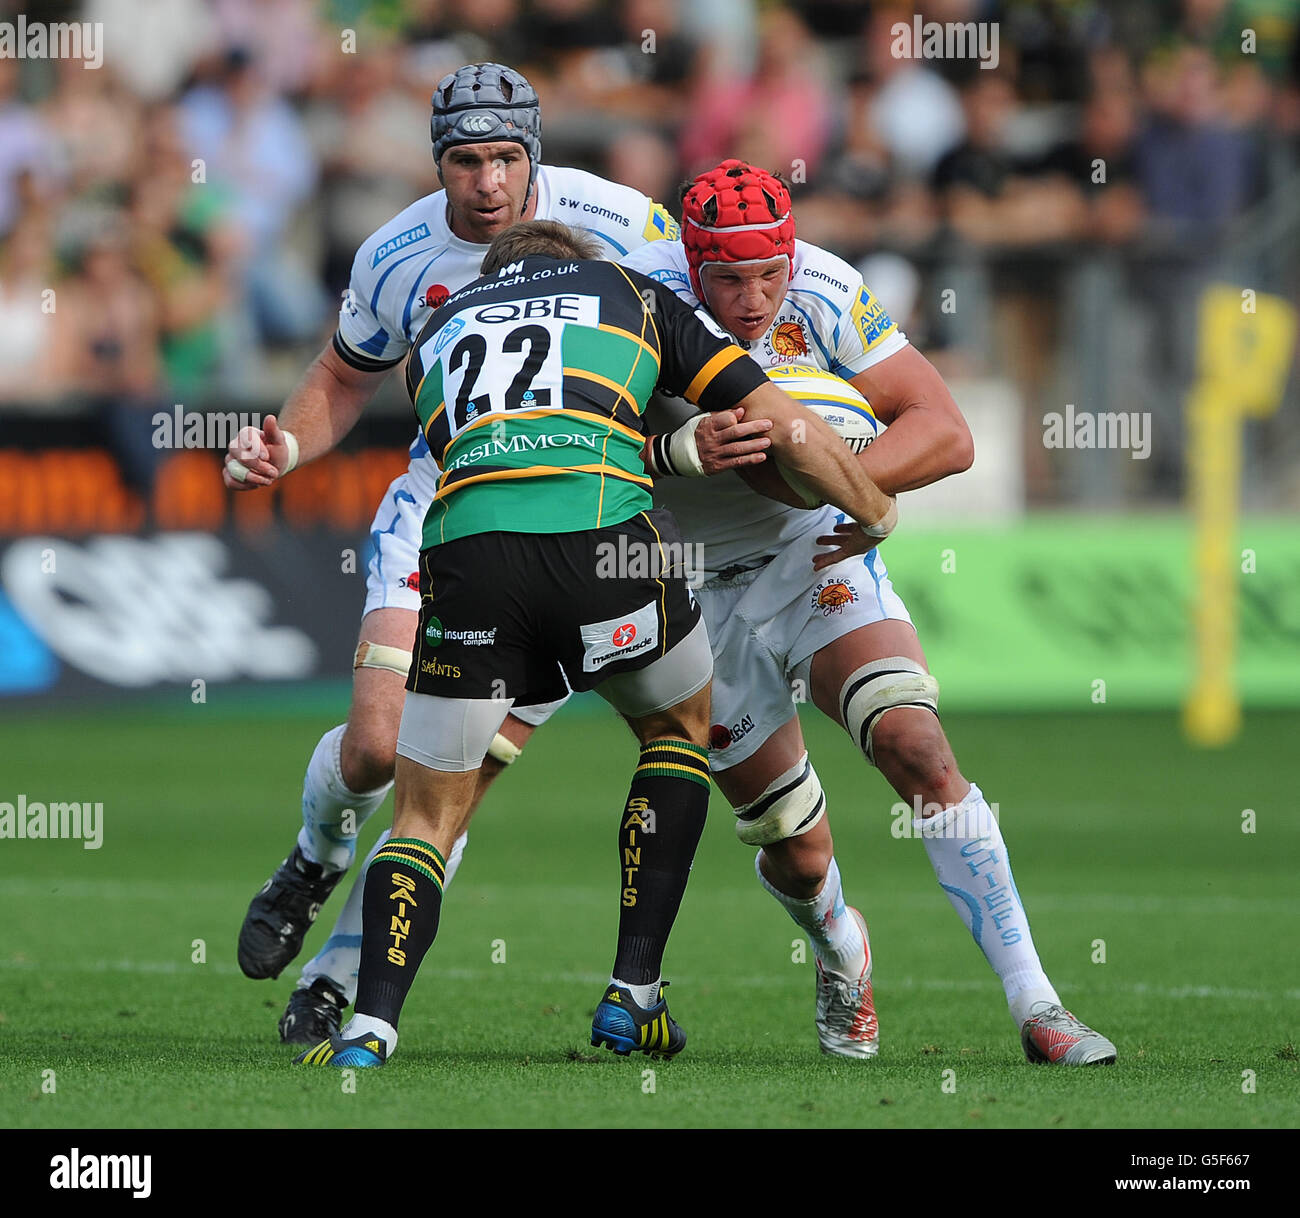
(499, 357)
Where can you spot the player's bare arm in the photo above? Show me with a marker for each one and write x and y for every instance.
(927, 438)
(321, 410)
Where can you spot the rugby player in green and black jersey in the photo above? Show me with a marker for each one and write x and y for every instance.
(530, 385)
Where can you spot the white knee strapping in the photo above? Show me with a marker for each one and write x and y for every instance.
(792, 804)
(881, 686)
(377, 655)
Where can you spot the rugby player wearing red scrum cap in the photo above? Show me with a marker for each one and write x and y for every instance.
(789, 620)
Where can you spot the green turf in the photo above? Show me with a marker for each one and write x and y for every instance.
(1119, 833)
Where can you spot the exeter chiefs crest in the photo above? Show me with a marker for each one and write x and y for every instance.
(786, 343)
(831, 596)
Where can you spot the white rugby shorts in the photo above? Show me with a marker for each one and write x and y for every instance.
(393, 572)
(765, 623)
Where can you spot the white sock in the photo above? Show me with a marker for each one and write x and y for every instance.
(836, 937)
(325, 800)
(970, 860)
(646, 996)
(340, 958)
(368, 1025)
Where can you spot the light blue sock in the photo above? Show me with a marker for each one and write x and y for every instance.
(332, 815)
(969, 858)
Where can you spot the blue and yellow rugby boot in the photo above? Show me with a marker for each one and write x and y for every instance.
(623, 1025)
(345, 1054)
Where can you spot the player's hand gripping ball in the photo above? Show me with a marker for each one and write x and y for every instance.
(836, 401)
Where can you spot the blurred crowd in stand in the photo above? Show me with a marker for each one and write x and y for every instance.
(178, 225)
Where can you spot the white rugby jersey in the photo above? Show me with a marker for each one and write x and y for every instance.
(414, 262)
(829, 319)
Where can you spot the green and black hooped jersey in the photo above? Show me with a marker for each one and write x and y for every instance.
(530, 388)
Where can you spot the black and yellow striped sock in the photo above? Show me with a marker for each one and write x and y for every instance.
(399, 922)
(658, 832)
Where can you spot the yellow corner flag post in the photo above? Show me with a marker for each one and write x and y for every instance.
(1246, 344)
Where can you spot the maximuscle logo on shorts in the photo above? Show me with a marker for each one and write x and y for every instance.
(650, 560)
(619, 638)
(23, 39)
(32, 820)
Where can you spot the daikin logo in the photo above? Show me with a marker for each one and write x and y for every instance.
(393, 244)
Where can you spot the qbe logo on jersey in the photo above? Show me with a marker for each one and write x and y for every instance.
(618, 638)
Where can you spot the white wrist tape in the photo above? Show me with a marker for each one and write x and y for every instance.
(239, 471)
(885, 525)
(675, 454)
(683, 451)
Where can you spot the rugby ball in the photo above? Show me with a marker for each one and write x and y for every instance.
(847, 412)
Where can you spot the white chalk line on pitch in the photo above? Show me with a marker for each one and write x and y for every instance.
(1088, 903)
(172, 967)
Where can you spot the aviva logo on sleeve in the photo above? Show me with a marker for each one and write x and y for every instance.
(660, 226)
(869, 316)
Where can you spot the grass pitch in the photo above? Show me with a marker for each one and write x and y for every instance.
(1124, 842)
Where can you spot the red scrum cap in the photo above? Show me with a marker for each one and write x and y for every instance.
(736, 213)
